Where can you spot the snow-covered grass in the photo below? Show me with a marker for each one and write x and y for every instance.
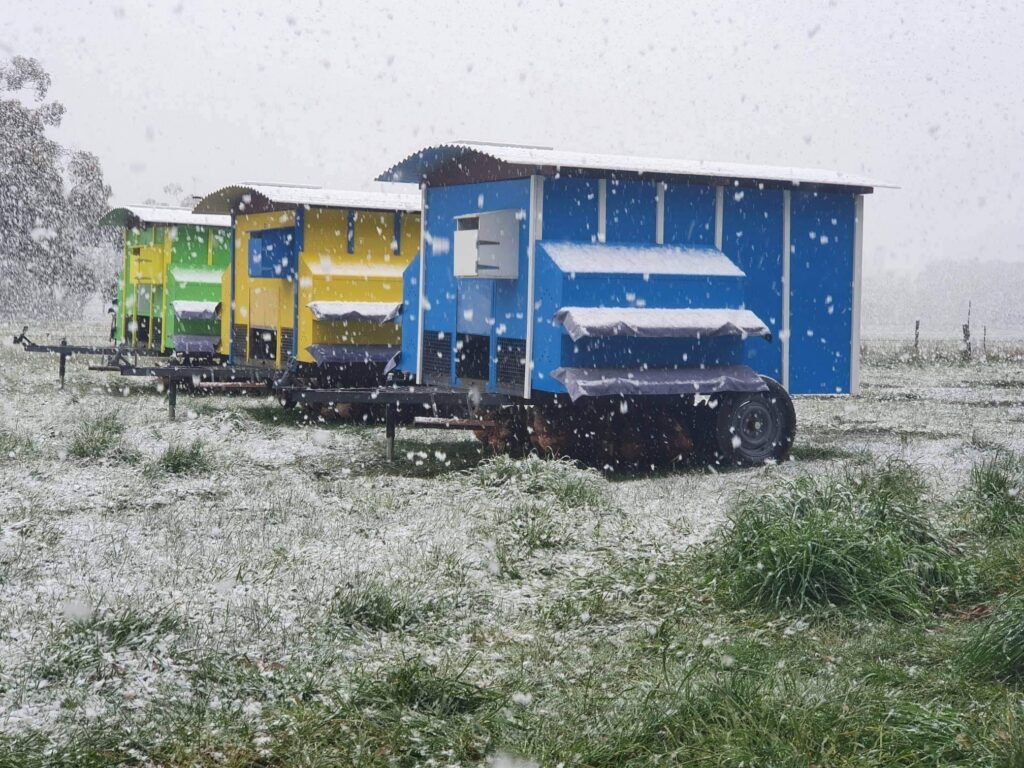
(243, 587)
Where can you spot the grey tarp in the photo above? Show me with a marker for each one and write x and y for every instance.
(186, 309)
(599, 382)
(342, 353)
(657, 322)
(369, 311)
(195, 345)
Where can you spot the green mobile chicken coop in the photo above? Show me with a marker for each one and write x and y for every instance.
(169, 286)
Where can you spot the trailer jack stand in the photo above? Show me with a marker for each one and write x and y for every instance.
(172, 397)
(389, 431)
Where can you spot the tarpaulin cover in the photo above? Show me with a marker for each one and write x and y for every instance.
(580, 322)
(599, 382)
(186, 309)
(370, 311)
(342, 353)
(195, 345)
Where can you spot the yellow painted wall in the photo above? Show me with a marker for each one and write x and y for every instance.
(259, 302)
(373, 272)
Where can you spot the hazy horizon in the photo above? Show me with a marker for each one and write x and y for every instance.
(179, 93)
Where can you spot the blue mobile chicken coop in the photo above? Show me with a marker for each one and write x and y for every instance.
(631, 309)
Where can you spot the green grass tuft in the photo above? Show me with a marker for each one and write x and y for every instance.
(416, 685)
(993, 501)
(803, 452)
(14, 445)
(860, 540)
(102, 436)
(561, 480)
(89, 644)
(186, 459)
(373, 605)
(995, 646)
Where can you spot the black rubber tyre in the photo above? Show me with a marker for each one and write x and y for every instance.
(753, 428)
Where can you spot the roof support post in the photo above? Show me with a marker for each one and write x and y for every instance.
(858, 259)
(787, 249)
(602, 210)
(719, 215)
(659, 214)
(535, 233)
(421, 305)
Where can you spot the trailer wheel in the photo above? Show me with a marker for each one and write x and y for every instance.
(754, 427)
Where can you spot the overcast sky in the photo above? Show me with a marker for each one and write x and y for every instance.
(929, 96)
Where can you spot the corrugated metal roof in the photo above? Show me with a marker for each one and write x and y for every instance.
(420, 164)
(134, 215)
(239, 197)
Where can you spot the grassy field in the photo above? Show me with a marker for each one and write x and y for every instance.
(240, 588)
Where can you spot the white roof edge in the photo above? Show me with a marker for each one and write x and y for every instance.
(544, 157)
(226, 199)
(161, 214)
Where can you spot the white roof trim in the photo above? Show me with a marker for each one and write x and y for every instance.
(583, 258)
(134, 215)
(236, 198)
(412, 168)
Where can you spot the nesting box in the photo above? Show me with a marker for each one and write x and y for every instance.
(169, 285)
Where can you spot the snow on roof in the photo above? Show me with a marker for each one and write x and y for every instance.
(420, 165)
(135, 215)
(239, 197)
(369, 311)
(661, 323)
(581, 258)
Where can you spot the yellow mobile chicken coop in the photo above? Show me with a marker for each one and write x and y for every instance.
(315, 285)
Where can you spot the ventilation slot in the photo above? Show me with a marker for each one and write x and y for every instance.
(437, 358)
(239, 336)
(262, 344)
(511, 365)
(471, 353)
(287, 342)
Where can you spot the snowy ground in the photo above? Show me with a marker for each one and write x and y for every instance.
(253, 557)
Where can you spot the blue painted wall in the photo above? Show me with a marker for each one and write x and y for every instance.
(752, 237)
(631, 211)
(822, 229)
(821, 299)
(689, 214)
(573, 203)
(461, 303)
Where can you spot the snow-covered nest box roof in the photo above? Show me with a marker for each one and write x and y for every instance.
(368, 311)
(255, 198)
(141, 215)
(470, 161)
(186, 274)
(584, 258)
(659, 323)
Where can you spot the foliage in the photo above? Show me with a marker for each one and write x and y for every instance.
(52, 252)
